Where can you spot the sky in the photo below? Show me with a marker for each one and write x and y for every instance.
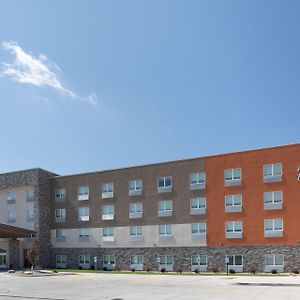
(95, 85)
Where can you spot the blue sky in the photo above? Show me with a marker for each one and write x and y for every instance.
(92, 85)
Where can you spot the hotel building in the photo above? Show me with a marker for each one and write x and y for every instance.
(239, 208)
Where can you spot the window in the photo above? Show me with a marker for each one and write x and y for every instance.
(109, 259)
(233, 177)
(83, 192)
(166, 260)
(233, 203)
(108, 212)
(84, 234)
(60, 194)
(165, 208)
(107, 190)
(11, 216)
(135, 210)
(197, 181)
(30, 215)
(108, 234)
(61, 260)
(234, 229)
(135, 187)
(235, 262)
(84, 261)
(198, 231)
(164, 184)
(29, 195)
(273, 172)
(136, 230)
(198, 206)
(60, 235)
(84, 214)
(274, 260)
(60, 215)
(199, 260)
(273, 227)
(137, 259)
(273, 200)
(11, 197)
(165, 232)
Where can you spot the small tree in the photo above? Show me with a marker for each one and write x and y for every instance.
(32, 255)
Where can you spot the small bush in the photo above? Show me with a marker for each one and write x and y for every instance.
(105, 269)
(163, 270)
(196, 271)
(274, 271)
(80, 267)
(132, 270)
(295, 271)
(231, 271)
(215, 269)
(55, 271)
(253, 270)
(179, 270)
(92, 267)
(148, 269)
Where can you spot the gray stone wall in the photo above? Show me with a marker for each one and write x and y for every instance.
(13, 250)
(253, 257)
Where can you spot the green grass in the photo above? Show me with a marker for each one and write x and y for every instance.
(169, 273)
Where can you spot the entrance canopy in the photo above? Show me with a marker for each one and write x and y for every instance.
(12, 232)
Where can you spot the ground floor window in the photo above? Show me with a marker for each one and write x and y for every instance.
(137, 259)
(274, 260)
(109, 259)
(84, 261)
(166, 260)
(199, 260)
(235, 260)
(3, 258)
(61, 260)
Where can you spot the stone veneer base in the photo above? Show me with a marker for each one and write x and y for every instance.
(253, 256)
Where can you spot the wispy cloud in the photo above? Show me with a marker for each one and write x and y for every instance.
(38, 71)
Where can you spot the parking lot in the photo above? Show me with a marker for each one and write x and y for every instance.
(146, 287)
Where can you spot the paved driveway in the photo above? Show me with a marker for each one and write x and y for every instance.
(148, 287)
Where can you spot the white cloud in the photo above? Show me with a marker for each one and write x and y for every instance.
(38, 71)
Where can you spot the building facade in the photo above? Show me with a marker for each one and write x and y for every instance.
(238, 209)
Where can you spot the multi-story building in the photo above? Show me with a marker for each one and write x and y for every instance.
(239, 208)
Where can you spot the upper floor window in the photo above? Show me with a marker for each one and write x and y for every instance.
(164, 184)
(273, 200)
(273, 172)
(108, 212)
(11, 216)
(60, 194)
(198, 206)
(136, 230)
(60, 215)
(165, 230)
(11, 197)
(197, 181)
(30, 215)
(233, 203)
(108, 234)
(83, 213)
(107, 190)
(233, 177)
(165, 208)
(83, 192)
(199, 231)
(135, 187)
(273, 227)
(136, 210)
(84, 234)
(60, 235)
(29, 195)
(234, 229)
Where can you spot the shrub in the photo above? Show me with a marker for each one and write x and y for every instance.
(253, 270)
(105, 269)
(132, 270)
(80, 267)
(215, 269)
(179, 270)
(55, 271)
(196, 271)
(92, 268)
(295, 271)
(274, 271)
(163, 270)
(148, 269)
(231, 271)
